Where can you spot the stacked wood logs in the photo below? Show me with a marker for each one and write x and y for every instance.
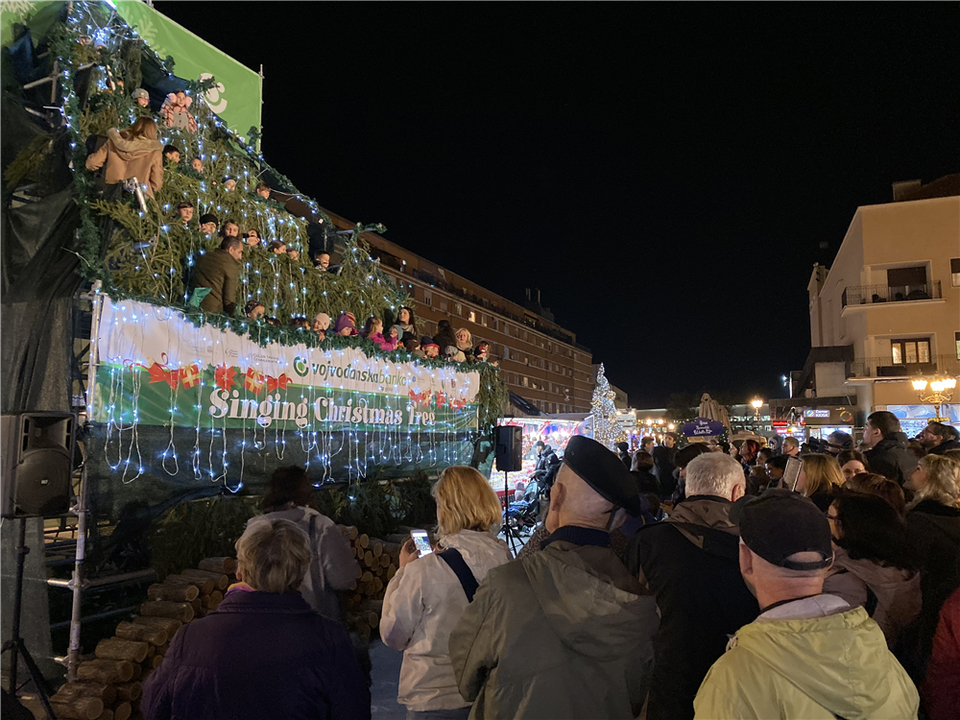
(377, 563)
(108, 685)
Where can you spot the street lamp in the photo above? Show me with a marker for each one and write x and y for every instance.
(940, 392)
(757, 404)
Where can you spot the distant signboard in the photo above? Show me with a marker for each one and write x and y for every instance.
(817, 413)
(702, 427)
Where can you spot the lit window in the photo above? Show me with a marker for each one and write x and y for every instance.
(956, 337)
(910, 351)
(955, 271)
(472, 316)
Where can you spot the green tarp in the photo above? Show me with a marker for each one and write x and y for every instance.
(236, 96)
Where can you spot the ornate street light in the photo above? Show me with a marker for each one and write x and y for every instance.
(757, 404)
(937, 390)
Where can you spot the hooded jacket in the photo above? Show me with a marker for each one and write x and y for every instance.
(890, 458)
(562, 633)
(140, 158)
(945, 446)
(814, 668)
(891, 595)
(422, 605)
(691, 564)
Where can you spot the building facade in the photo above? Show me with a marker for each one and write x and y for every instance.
(541, 361)
(888, 310)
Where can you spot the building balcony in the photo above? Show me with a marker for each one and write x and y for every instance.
(885, 369)
(878, 294)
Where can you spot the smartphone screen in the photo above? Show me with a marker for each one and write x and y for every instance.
(422, 541)
(791, 475)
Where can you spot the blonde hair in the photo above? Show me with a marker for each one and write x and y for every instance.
(273, 556)
(465, 501)
(463, 330)
(822, 471)
(943, 481)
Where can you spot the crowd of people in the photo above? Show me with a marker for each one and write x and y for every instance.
(692, 585)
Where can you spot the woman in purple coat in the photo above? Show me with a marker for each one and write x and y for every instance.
(263, 653)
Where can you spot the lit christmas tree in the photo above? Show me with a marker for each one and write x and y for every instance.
(606, 428)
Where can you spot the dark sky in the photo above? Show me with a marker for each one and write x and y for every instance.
(664, 173)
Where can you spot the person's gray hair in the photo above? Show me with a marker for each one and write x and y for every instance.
(714, 474)
(273, 556)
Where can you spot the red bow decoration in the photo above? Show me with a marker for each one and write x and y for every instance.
(158, 373)
(253, 381)
(281, 382)
(420, 398)
(225, 377)
(190, 376)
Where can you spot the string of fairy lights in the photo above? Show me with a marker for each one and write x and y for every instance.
(204, 449)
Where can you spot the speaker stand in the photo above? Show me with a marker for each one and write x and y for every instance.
(16, 645)
(514, 541)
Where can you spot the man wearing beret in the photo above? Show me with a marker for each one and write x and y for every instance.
(565, 632)
(808, 655)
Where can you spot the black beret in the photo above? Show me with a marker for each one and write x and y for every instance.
(603, 470)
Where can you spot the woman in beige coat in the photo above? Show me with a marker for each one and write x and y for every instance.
(134, 152)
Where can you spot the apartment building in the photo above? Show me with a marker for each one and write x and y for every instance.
(887, 310)
(541, 361)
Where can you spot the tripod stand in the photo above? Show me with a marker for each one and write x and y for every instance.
(15, 644)
(514, 541)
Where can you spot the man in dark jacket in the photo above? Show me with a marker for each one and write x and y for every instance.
(886, 447)
(220, 271)
(691, 564)
(937, 438)
(263, 653)
(565, 632)
(665, 459)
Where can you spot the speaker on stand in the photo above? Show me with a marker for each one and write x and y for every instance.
(508, 451)
(37, 463)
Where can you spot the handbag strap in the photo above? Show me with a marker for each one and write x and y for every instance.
(453, 558)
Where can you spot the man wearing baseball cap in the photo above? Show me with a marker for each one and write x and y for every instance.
(564, 632)
(808, 655)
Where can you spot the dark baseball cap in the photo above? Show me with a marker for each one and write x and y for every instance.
(602, 470)
(780, 523)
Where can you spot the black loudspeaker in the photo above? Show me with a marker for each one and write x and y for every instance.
(37, 463)
(509, 448)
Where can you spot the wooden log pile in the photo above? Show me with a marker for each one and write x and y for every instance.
(108, 685)
(377, 563)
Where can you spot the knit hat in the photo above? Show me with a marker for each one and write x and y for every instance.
(140, 93)
(346, 320)
(323, 319)
(399, 331)
(209, 218)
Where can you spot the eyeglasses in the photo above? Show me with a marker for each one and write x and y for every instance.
(834, 518)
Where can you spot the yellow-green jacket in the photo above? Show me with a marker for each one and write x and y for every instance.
(819, 668)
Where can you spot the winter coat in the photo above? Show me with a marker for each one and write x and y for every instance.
(258, 655)
(664, 463)
(943, 447)
(788, 664)
(376, 338)
(178, 116)
(563, 633)
(334, 560)
(933, 531)
(691, 564)
(941, 685)
(646, 482)
(218, 271)
(890, 458)
(890, 595)
(141, 158)
(422, 605)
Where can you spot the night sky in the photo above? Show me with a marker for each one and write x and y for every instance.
(664, 173)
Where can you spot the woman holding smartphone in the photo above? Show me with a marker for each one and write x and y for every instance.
(426, 597)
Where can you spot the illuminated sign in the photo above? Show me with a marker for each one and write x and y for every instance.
(817, 413)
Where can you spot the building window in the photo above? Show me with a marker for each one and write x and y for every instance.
(956, 336)
(955, 271)
(910, 351)
(427, 299)
(496, 324)
(526, 381)
(443, 305)
(472, 316)
(458, 309)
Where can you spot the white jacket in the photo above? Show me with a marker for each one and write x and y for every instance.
(422, 605)
(333, 558)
